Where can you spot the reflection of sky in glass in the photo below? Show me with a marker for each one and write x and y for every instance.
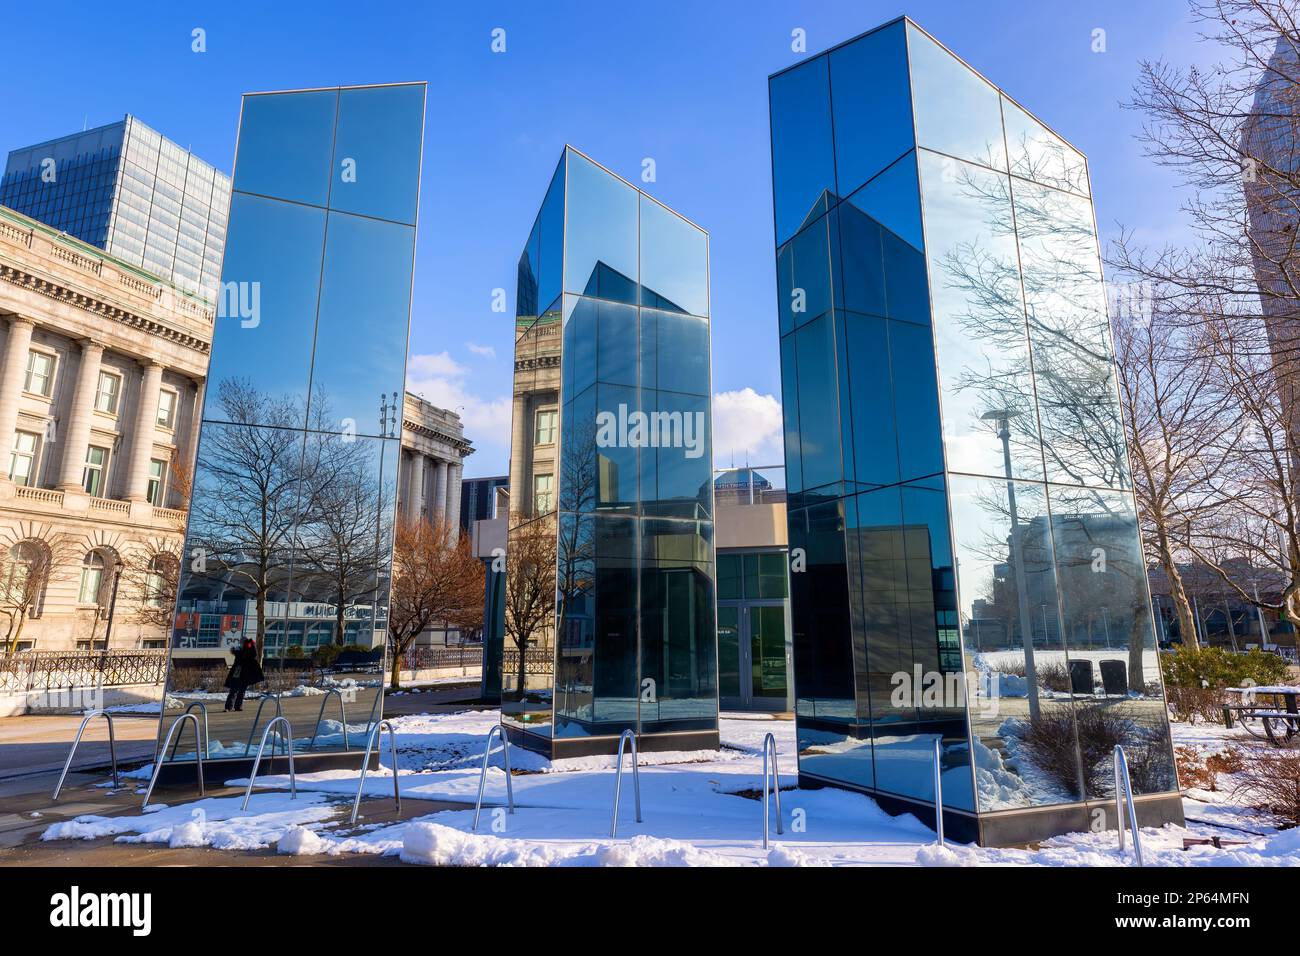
(284, 145)
(957, 112)
(674, 260)
(377, 152)
(600, 226)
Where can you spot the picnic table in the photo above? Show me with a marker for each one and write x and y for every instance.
(1278, 716)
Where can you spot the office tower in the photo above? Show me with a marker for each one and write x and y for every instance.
(133, 193)
(292, 509)
(610, 620)
(965, 558)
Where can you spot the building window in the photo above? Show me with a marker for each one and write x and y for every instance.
(157, 481)
(545, 433)
(108, 392)
(162, 569)
(167, 409)
(543, 493)
(40, 373)
(93, 478)
(92, 578)
(22, 465)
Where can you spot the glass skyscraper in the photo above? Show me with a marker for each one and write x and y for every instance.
(133, 193)
(289, 540)
(610, 611)
(965, 558)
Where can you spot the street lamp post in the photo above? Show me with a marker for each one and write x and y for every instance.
(1002, 419)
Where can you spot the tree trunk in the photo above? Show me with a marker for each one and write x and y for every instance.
(18, 633)
(1177, 592)
(395, 672)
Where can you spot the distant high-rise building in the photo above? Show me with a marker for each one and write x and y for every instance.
(133, 193)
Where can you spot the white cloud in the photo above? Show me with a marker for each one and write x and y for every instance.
(486, 351)
(446, 383)
(747, 427)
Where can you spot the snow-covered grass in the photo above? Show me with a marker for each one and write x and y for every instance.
(697, 810)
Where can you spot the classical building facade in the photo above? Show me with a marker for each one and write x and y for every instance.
(101, 381)
(102, 370)
(434, 449)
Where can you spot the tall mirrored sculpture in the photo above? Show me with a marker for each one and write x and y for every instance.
(610, 611)
(286, 570)
(965, 558)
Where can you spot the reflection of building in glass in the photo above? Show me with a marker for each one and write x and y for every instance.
(609, 603)
(131, 192)
(289, 541)
(965, 561)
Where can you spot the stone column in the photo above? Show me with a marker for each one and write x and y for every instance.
(146, 421)
(440, 489)
(453, 498)
(191, 452)
(415, 502)
(11, 383)
(519, 448)
(75, 435)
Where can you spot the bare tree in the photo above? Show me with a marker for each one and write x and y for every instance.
(29, 561)
(436, 579)
(530, 589)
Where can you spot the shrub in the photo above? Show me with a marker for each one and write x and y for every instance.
(1193, 770)
(1053, 675)
(1049, 744)
(1270, 780)
(1189, 704)
(1216, 668)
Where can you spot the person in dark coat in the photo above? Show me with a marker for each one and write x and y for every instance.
(244, 672)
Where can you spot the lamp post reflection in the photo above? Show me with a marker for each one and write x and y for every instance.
(1002, 420)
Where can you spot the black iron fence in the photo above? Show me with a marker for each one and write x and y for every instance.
(50, 670)
(458, 655)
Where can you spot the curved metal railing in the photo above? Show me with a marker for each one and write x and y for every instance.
(618, 780)
(343, 716)
(112, 749)
(207, 736)
(158, 762)
(365, 764)
(769, 744)
(482, 777)
(252, 777)
(1124, 802)
(279, 712)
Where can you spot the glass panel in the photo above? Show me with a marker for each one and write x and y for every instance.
(1037, 153)
(678, 683)
(803, 157)
(916, 400)
(805, 274)
(284, 146)
(674, 352)
(674, 261)
(528, 664)
(550, 249)
(600, 233)
(875, 441)
(957, 111)
(728, 649)
(616, 475)
(819, 412)
(676, 474)
(377, 151)
(873, 105)
(729, 577)
(367, 273)
(273, 264)
(1078, 407)
(989, 419)
(1020, 712)
(1109, 639)
(767, 651)
(893, 200)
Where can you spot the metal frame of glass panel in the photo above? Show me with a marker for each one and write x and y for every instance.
(957, 474)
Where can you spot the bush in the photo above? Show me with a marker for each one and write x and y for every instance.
(1049, 744)
(1270, 780)
(1216, 668)
(1189, 704)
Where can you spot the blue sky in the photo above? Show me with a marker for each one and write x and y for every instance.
(683, 83)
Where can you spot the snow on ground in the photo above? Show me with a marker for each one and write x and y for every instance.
(697, 810)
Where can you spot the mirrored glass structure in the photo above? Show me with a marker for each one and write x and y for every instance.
(965, 558)
(283, 595)
(610, 610)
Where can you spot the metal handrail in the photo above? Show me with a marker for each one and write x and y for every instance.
(252, 777)
(769, 743)
(618, 780)
(938, 791)
(279, 712)
(112, 749)
(365, 763)
(207, 736)
(343, 713)
(1124, 801)
(496, 731)
(158, 763)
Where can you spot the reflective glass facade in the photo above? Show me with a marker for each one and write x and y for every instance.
(609, 602)
(965, 560)
(133, 193)
(289, 541)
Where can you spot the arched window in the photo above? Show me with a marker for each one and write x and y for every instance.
(161, 579)
(96, 574)
(25, 575)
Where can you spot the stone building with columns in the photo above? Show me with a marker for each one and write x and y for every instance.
(433, 452)
(102, 368)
